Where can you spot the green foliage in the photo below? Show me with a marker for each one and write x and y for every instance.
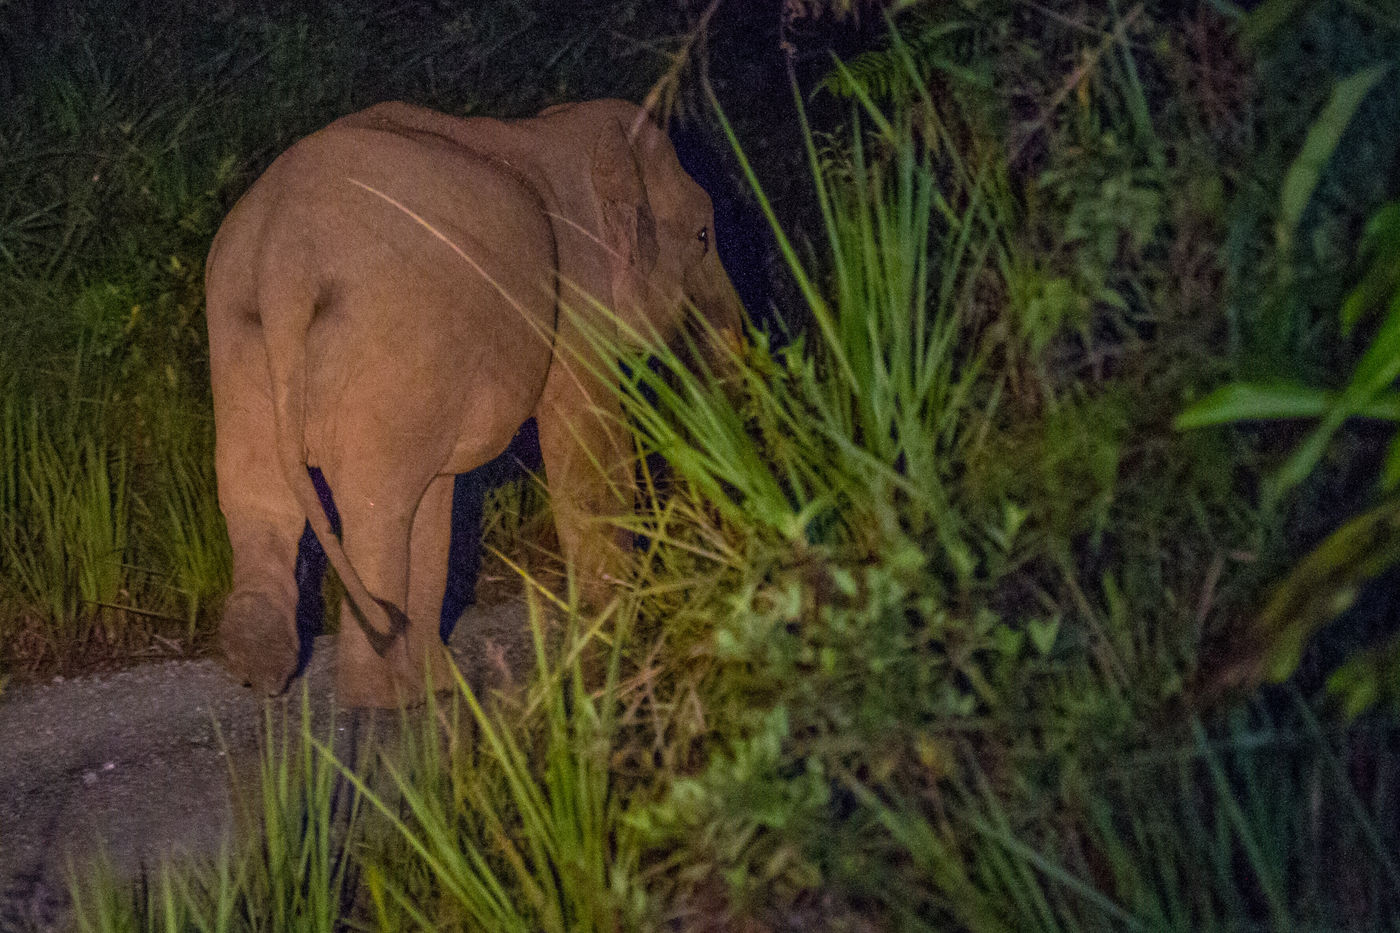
(1368, 393)
(843, 437)
(111, 210)
(300, 876)
(528, 832)
(95, 525)
(940, 639)
(1325, 583)
(1325, 141)
(189, 535)
(903, 569)
(930, 42)
(66, 504)
(1323, 138)
(833, 680)
(1346, 129)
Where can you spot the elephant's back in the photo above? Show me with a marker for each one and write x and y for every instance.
(380, 201)
(365, 207)
(430, 266)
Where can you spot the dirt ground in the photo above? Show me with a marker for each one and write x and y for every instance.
(135, 766)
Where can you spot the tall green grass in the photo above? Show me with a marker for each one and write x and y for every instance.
(529, 819)
(103, 525)
(923, 703)
(67, 508)
(294, 869)
(527, 829)
(113, 527)
(181, 513)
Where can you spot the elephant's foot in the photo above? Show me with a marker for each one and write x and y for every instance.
(258, 643)
(386, 683)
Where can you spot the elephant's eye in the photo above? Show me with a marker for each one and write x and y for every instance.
(704, 237)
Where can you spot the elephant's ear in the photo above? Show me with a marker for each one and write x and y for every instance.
(629, 227)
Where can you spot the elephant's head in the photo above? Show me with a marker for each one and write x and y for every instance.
(658, 228)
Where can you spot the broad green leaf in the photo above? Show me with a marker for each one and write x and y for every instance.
(1322, 139)
(1323, 585)
(1367, 678)
(1250, 401)
(1246, 401)
(1364, 396)
(1390, 471)
(1380, 244)
(1380, 365)
(1269, 17)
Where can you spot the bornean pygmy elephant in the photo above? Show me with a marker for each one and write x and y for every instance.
(388, 303)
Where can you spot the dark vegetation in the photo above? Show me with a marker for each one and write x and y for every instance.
(1074, 426)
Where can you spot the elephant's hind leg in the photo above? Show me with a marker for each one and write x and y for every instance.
(256, 645)
(257, 631)
(384, 529)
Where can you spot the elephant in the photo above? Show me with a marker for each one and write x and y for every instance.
(387, 304)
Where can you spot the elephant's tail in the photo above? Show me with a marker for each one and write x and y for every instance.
(285, 333)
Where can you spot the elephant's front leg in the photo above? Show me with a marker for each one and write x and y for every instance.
(380, 535)
(589, 471)
(428, 552)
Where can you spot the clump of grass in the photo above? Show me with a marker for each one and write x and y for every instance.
(525, 831)
(67, 505)
(296, 871)
(105, 527)
(182, 513)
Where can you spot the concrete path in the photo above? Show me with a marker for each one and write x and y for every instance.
(137, 764)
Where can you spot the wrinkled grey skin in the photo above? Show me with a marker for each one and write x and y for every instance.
(347, 335)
